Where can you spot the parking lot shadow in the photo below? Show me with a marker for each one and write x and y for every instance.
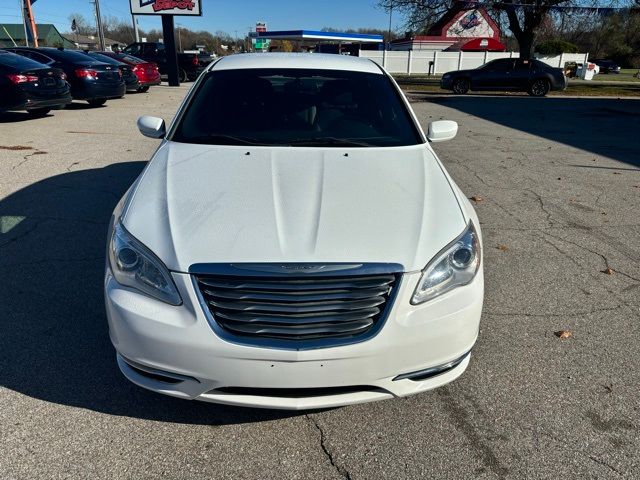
(54, 342)
(14, 117)
(603, 126)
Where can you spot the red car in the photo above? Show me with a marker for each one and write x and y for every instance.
(147, 72)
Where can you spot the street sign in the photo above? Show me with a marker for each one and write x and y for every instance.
(166, 7)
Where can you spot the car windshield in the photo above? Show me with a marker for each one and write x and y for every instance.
(303, 107)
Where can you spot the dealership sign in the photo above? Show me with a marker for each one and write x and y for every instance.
(166, 7)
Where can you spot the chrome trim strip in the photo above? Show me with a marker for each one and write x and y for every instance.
(432, 371)
(155, 371)
(285, 268)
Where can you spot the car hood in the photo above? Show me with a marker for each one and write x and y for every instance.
(197, 204)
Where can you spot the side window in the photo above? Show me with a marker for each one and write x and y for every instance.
(148, 50)
(504, 65)
(133, 49)
(38, 57)
(523, 65)
(500, 65)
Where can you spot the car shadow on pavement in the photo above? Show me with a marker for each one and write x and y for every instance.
(604, 126)
(54, 342)
(84, 106)
(15, 117)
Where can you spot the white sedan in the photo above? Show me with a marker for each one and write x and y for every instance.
(294, 243)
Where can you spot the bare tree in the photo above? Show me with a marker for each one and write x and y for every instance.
(523, 17)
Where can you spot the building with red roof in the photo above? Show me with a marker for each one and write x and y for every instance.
(466, 27)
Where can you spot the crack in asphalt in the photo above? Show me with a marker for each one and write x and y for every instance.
(542, 206)
(344, 473)
(27, 157)
(604, 258)
(22, 235)
(579, 452)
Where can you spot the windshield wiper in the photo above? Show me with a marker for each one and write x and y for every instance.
(222, 139)
(332, 141)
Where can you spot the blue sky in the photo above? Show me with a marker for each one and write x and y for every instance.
(226, 15)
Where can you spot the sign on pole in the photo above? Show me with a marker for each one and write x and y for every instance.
(166, 7)
(260, 44)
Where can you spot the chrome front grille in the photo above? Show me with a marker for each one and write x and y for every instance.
(333, 306)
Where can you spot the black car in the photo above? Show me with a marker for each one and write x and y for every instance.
(607, 66)
(31, 86)
(130, 78)
(190, 65)
(532, 76)
(90, 79)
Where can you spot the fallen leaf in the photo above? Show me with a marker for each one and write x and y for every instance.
(476, 198)
(504, 248)
(608, 388)
(563, 334)
(608, 271)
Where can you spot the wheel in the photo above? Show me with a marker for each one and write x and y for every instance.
(97, 102)
(182, 75)
(143, 89)
(539, 88)
(38, 112)
(460, 86)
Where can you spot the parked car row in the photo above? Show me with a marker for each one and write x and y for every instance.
(39, 80)
(190, 65)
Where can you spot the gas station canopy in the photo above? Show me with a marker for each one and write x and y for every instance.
(301, 35)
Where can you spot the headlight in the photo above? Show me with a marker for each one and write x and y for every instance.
(456, 265)
(135, 266)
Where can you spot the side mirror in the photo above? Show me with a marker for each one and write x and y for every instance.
(442, 130)
(152, 127)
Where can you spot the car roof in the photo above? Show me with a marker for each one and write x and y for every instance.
(315, 61)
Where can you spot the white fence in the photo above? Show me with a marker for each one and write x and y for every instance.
(417, 61)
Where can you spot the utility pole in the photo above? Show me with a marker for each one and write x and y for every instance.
(168, 33)
(24, 23)
(389, 34)
(135, 27)
(96, 3)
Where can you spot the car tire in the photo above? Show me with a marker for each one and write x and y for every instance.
(97, 102)
(183, 76)
(143, 89)
(539, 87)
(38, 112)
(460, 86)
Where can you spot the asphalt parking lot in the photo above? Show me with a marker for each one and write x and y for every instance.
(557, 184)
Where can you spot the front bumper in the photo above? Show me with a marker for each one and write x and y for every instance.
(174, 351)
(446, 83)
